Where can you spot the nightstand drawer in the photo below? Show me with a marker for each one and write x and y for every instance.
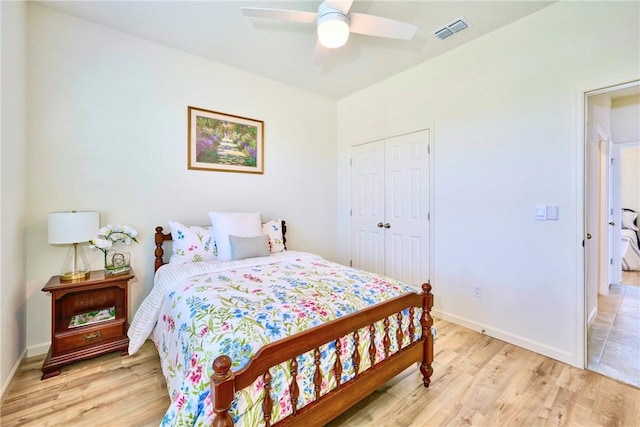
(88, 336)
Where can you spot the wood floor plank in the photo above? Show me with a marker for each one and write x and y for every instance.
(477, 380)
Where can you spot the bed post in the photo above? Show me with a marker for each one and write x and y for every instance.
(222, 391)
(427, 338)
(159, 252)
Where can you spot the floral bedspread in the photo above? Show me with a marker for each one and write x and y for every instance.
(236, 308)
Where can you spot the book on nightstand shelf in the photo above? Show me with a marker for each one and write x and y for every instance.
(91, 317)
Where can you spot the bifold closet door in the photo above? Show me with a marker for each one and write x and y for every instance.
(390, 207)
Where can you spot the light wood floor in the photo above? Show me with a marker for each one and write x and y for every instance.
(477, 380)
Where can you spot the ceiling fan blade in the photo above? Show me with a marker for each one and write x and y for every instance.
(341, 5)
(320, 54)
(281, 14)
(370, 25)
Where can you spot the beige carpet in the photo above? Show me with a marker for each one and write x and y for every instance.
(631, 278)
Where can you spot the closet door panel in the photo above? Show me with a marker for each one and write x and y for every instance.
(407, 207)
(366, 251)
(367, 207)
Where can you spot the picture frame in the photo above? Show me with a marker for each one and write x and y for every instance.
(224, 142)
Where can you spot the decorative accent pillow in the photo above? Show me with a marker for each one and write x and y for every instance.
(249, 247)
(233, 223)
(273, 229)
(191, 243)
(628, 217)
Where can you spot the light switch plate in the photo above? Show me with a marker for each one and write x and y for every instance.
(553, 212)
(540, 212)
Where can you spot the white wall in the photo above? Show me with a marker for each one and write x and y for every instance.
(625, 129)
(12, 183)
(505, 112)
(625, 119)
(630, 197)
(108, 131)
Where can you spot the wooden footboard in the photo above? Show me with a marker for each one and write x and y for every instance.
(224, 382)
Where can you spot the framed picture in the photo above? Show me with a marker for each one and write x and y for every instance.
(223, 142)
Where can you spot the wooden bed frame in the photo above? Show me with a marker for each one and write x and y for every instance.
(324, 408)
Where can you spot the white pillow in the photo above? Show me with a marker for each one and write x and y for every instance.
(273, 229)
(627, 220)
(233, 223)
(191, 243)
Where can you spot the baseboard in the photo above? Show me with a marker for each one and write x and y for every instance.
(534, 346)
(592, 315)
(7, 383)
(37, 350)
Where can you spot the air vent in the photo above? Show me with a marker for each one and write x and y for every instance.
(451, 28)
(457, 26)
(443, 33)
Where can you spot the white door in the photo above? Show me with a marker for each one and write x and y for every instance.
(615, 216)
(367, 207)
(390, 207)
(407, 207)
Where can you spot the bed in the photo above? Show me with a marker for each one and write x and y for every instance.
(288, 338)
(630, 236)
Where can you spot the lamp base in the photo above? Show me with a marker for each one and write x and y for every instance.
(75, 276)
(75, 266)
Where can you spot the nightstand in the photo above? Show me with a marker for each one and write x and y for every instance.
(88, 318)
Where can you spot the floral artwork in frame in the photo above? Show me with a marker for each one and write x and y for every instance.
(223, 142)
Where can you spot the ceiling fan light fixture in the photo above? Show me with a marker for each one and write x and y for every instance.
(333, 30)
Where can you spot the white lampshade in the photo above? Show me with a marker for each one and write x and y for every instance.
(73, 227)
(333, 30)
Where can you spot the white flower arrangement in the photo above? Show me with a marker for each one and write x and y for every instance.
(110, 234)
(107, 237)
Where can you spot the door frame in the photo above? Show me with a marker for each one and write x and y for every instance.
(615, 204)
(581, 197)
(603, 186)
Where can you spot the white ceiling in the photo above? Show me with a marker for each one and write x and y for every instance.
(283, 51)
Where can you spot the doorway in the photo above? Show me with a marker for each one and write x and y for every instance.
(612, 315)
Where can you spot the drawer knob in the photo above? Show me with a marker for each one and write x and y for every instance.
(91, 336)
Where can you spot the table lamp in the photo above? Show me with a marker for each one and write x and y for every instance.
(71, 228)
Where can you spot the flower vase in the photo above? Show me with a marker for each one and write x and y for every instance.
(117, 260)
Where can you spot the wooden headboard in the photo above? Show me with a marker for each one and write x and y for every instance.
(161, 237)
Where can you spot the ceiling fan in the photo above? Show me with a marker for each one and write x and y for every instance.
(335, 22)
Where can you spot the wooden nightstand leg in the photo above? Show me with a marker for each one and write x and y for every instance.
(49, 374)
(47, 371)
